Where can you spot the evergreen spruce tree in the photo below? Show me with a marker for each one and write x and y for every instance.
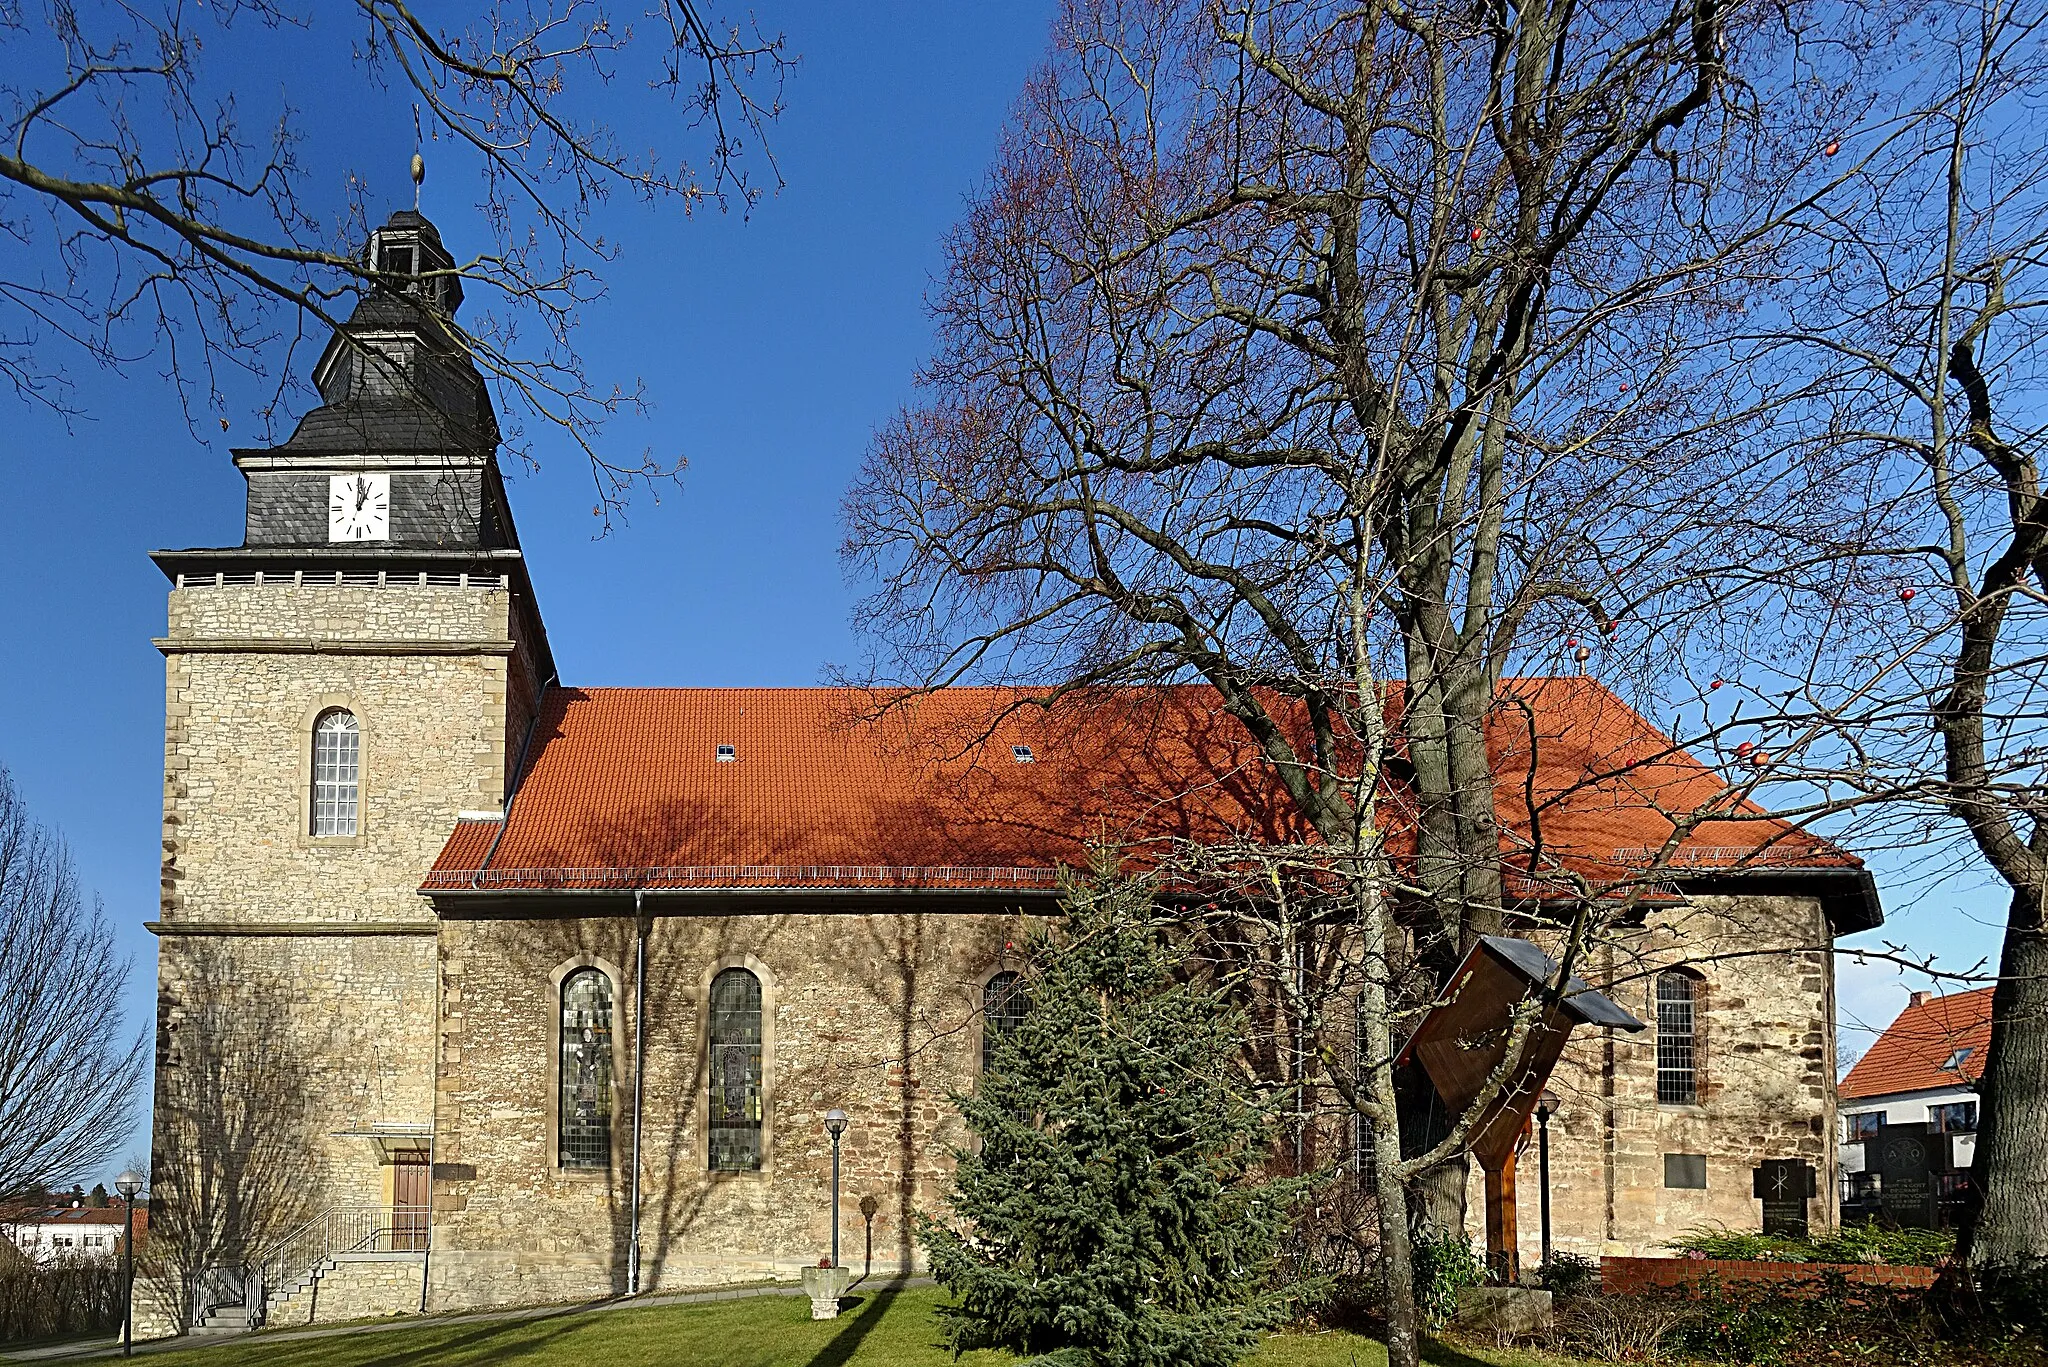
(1113, 1213)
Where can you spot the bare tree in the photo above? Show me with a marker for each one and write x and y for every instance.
(67, 1074)
(1299, 348)
(155, 214)
(1891, 646)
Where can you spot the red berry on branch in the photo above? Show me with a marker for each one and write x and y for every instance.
(1715, 684)
(1834, 146)
(1906, 595)
(1744, 748)
(1475, 234)
(1571, 641)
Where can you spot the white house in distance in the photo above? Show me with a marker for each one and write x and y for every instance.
(1924, 1067)
(54, 1233)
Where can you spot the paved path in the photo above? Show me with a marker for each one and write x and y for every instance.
(100, 1349)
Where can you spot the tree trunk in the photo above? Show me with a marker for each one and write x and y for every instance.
(2010, 1200)
(1439, 1197)
(1397, 1257)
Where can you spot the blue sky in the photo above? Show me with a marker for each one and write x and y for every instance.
(771, 346)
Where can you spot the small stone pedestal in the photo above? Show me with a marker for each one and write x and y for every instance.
(825, 1285)
(1502, 1310)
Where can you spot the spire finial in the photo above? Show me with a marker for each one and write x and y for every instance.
(419, 163)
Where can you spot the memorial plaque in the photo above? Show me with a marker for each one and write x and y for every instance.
(1907, 1160)
(1785, 1185)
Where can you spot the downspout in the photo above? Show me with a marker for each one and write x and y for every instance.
(639, 1079)
(433, 1126)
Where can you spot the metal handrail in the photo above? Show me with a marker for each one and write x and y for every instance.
(337, 1230)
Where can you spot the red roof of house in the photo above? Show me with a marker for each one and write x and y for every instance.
(623, 788)
(1909, 1055)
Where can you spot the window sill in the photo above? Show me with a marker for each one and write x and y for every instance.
(330, 842)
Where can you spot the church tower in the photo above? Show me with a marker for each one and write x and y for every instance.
(358, 674)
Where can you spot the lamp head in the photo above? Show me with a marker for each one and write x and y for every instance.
(128, 1183)
(1548, 1104)
(835, 1122)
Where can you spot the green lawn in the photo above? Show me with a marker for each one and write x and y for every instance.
(897, 1329)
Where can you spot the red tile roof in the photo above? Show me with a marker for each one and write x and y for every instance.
(623, 788)
(1908, 1056)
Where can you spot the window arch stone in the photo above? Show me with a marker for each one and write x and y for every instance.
(736, 1073)
(584, 1039)
(1678, 998)
(584, 1077)
(1003, 1005)
(335, 796)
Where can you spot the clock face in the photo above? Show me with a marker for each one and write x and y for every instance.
(359, 508)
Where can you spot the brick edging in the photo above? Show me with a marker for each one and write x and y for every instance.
(1625, 1275)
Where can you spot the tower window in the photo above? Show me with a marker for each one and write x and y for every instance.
(1003, 1005)
(585, 1139)
(735, 1060)
(1677, 1039)
(336, 742)
(397, 259)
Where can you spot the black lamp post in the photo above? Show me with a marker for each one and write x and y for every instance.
(835, 1125)
(128, 1184)
(1546, 1105)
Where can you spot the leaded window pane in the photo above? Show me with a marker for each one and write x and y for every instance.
(1003, 1004)
(586, 1103)
(335, 770)
(735, 1065)
(1677, 1035)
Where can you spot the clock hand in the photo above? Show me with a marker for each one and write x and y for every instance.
(362, 493)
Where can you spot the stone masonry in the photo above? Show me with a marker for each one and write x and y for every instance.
(1765, 1070)
(296, 974)
(873, 1013)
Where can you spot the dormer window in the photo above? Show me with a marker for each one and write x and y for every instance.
(1956, 1060)
(726, 754)
(1021, 754)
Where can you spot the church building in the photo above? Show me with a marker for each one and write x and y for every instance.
(479, 988)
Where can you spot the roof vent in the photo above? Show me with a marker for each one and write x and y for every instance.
(1021, 753)
(726, 754)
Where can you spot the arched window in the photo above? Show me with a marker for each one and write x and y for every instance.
(586, 1044)
(1677, 1039)
(1002, 1010)
(735, 1061)
(335, 766)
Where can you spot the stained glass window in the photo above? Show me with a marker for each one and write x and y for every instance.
(735, 1063)
(335, 768)
(586, 1114)
(1677, 1038)
(1002, 1010)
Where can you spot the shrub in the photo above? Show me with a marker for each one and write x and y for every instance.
(1637, 1328)
(1865, 1243)
(1567, 1274)
(70, 1296)
(1444, 1263)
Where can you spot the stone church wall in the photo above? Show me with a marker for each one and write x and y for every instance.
(249, 668)
(874, 1013)
(1766, 1075)
(296, 974)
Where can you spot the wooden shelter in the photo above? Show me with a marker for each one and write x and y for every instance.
(1464, 1040)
